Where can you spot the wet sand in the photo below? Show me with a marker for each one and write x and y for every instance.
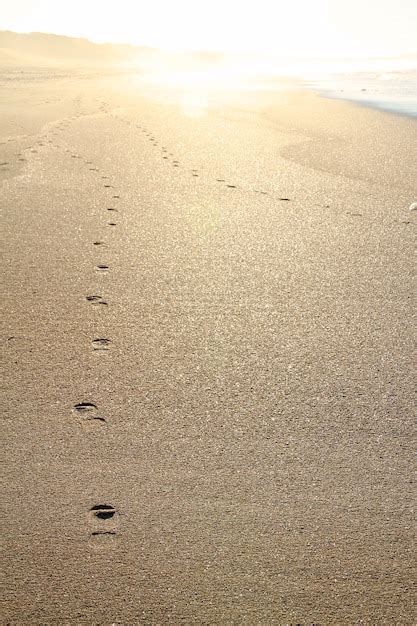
(207, 332)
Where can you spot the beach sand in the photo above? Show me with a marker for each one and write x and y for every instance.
(207, 332)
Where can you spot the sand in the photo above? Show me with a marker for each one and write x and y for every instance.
(208, 323)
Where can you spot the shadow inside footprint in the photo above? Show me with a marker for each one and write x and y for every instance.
(88, 411)
(101, 344)
(103, 511)
(83, 407)
(96, 300)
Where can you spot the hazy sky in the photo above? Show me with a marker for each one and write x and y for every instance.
(286, 27)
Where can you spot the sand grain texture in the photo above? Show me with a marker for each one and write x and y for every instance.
(252, 463)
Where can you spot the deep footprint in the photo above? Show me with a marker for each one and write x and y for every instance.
(103, 511)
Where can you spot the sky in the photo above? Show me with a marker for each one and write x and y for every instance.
(283, 28)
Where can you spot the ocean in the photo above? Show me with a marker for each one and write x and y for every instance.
(389, 91)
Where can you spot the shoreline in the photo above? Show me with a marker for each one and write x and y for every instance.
(393, 92)
(382, 108)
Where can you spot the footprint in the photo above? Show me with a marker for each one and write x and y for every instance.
(102, 268)
(116, 197)
(112, 223)
(112, 209)
(83, 407)
(108, 187)
(220, 180)
(285, 199)
(101, 344)
(231, 186)
(103, 512)
(98, 243)
(96, 300)
(88, 411)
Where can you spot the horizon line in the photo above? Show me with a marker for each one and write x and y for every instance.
(229, 53)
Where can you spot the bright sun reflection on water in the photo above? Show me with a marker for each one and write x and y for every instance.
(195, 103)
(194, 86)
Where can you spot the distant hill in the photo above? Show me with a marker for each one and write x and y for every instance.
(54, 50)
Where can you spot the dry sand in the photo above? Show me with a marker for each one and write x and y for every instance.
(255, 394)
